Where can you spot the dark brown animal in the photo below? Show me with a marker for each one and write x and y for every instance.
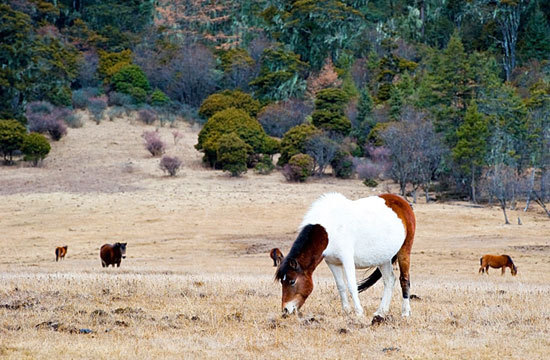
(277, 256)
(112, 254)
(497, 261)
(60, 252)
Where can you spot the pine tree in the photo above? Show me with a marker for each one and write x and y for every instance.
(471, 145)
(536, 44)
(396, 103)
(364, 107)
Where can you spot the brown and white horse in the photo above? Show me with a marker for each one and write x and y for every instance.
(60, 252)
(497, 261)
(373, 231)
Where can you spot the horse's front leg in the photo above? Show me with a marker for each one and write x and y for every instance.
(503, 270)
(389, 281)
(338, 273)
(349, 270)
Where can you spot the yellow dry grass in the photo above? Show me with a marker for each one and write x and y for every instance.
(198, 282)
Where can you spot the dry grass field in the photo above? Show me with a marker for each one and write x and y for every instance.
(197, 282)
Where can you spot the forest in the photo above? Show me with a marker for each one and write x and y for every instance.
(448, 98)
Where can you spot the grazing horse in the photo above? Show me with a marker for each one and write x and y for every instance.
(60, 252)
(373, 231)
(111, 254)
(277, 256)
(497, 261)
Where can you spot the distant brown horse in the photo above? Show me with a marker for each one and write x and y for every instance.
(60, 252)
(277, 256)
(112, 254)
(497, 261)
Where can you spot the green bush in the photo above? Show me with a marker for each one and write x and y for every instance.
(232, 153)
(299, 168)
(329, 111)
(229, 99)
(294, 141)
(231, 121)
(35, 147)
(138, 94)
(12, 134)
(158, 98)
(265, 166)
(374, 135)
(370, 183)
(342, 164)
(128, 78)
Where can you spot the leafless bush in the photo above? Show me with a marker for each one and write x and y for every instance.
(43, 117)
(147, 116)
(170, 165)
(177, 136)
(278, 118)
(153, 143)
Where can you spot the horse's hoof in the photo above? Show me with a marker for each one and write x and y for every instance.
(377, 319)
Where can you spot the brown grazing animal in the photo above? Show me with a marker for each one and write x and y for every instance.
(277, 256)
(60, 252)
(111, 254)
(497, 261)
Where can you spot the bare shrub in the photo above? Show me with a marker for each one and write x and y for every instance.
(97, 106)
(278, 118)
(153, 143)
(147, 116)
(116, 112)
(43, 117)
(177, 136)
(170, 165)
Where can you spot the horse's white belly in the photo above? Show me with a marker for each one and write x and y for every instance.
(365, 231)
(373, 241)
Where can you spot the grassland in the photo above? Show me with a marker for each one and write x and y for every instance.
(198, 283)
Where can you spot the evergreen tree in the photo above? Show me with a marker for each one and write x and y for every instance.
(536, 44)
(396, 103)
(471, 146)
(364, 107)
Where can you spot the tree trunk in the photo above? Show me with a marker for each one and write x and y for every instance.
(531, 187)
(473, 184)
(503, 207)
(509, 24)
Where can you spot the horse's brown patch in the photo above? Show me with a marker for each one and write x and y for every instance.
(60, 252)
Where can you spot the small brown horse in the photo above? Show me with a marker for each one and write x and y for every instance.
(277, 256)
(497, 261)
(60, 252)
(111, 254)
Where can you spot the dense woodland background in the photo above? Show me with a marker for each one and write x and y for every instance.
(447, 97)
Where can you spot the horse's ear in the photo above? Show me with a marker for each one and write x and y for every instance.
(293, 264)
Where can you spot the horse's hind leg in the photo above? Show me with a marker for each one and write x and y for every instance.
(338, 273)
(389, 281)
(404, 279)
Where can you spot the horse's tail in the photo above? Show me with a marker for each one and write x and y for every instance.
(481, 260)
(56, 254)
(372, 278)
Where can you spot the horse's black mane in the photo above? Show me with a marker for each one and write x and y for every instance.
(297, 248)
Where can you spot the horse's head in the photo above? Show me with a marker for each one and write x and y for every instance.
(296, 270)
(122, 247)
(297, 285)
(514, 270)
(277, 256)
